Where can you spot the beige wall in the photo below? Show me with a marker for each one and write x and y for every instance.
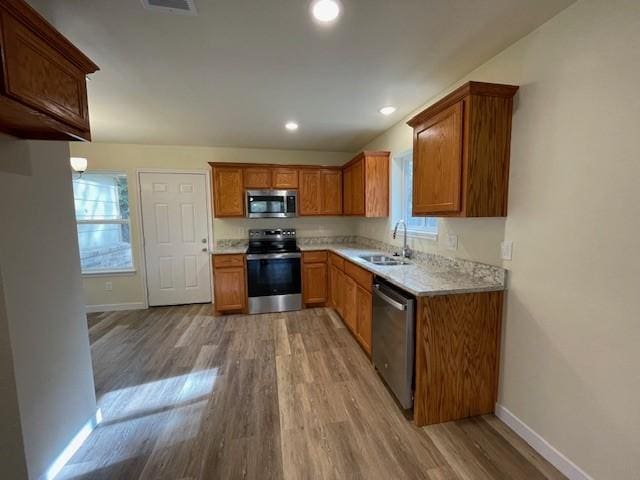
(130, 289)
(43, 302)
(572, 330)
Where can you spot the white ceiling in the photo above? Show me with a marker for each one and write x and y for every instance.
(234, 74)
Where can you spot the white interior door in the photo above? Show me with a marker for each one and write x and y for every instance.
(176, 238)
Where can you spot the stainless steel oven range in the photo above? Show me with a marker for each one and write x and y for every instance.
(274, 271)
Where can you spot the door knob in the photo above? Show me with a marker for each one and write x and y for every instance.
(204, 249)
(204, 240)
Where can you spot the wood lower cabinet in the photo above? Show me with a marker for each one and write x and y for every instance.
(315, 278)
(285, 178)
(461, 149)
(364, 310)
(457, 356)
(366, 185)
(229, 283)
(350, 295)
(350, 300)
(228, 191)
(43, 92)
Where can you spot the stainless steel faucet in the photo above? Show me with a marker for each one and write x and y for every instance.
(406, 251)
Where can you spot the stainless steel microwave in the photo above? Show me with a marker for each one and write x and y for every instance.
(272, 203)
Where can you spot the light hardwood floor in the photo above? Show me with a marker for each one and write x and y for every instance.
(186, 395)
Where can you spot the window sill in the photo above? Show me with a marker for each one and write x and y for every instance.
(110, 273)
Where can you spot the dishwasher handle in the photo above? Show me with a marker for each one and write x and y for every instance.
(394, 303)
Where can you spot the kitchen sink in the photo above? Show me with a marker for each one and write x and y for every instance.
(383, 260)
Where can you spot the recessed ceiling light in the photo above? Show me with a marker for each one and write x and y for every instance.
(387, 110)
(292, 126)
(325, 11)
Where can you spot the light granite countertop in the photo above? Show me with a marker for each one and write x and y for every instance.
(441, 276)
(417, 278)
(230, 250)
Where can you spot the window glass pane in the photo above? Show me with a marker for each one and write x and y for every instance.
(104, 246)
(419, 224)
(101, 197)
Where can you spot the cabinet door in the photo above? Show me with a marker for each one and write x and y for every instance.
(229, 289)
(286, 178)
(339, 292)
(314, 283)
(357, 188)
(364, 303)
(39, 76)
(256, 177)
(437, 163)
(228, 192)
(347, 191)
(331, 198)
(309, 201)
(350, 305)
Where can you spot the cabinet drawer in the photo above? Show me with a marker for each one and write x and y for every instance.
(222, 261)
(360, 275)
(336, 261)
(314, 257)
(39, 76)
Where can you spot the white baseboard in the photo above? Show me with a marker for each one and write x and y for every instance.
(540, 445)
(115, 307)
(72, 447)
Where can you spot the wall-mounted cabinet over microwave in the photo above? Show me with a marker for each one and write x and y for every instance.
(461, 150)
(359, 188)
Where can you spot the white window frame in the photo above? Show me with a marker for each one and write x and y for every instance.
(110, 271)
(400, 209)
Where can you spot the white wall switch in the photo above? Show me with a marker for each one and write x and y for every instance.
(452, 242)
(108, 286)
(506, 250)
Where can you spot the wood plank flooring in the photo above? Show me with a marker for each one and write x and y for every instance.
(187, 395)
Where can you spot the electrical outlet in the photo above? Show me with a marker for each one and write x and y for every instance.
(108, 286)
(452, 242)
(506, 250)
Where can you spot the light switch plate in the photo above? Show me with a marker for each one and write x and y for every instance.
(452, 242)
(108, 286)
(506, 250)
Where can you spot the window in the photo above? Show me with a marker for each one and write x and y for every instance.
(102, 213)
(416, 226)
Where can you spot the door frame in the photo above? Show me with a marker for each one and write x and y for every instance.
(143, 253)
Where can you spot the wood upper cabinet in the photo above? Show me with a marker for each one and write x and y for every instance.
(43, 93)
(366, 185)
(315, 278)
(437, 182)
(228, 191)
(331, 192)
(229, 283)
(461, 148)
(285, 178)
(309, 194)
(257, 177)
(320, 191)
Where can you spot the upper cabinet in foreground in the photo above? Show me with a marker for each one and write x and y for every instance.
(43, 91)
(461, 149)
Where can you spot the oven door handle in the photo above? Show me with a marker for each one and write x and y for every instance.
(273, 256)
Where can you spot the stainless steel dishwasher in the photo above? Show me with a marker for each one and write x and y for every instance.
(393, 339)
